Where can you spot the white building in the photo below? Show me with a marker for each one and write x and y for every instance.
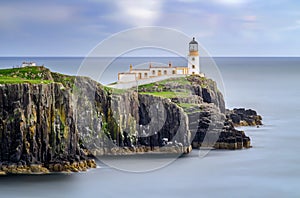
(192, 68)
(26, 64)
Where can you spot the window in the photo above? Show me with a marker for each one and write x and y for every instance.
(140, 76)
(193, 66)
(165, 72)
(193, 73)
(145, 75)
(193, 58)
(174, 72)
(153, 72)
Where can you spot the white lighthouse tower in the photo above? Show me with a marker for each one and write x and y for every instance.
(193, 58)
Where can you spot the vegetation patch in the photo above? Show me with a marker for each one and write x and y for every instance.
(17, 80)
(168, 94)
(34, 75)
(162, 84)
(66, 80)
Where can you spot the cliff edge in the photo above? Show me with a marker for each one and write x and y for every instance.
(51, 122)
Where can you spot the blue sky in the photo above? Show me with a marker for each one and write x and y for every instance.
(223, 27)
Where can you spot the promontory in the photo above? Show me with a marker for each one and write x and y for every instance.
(50, 122)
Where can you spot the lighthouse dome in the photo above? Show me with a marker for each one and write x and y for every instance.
(193, 41)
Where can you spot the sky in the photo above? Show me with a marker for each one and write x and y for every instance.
(223, 27)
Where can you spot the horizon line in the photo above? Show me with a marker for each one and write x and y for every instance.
(71, 56)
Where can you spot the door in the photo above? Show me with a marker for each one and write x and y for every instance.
(159, 72)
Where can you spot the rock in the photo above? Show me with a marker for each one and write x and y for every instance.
(246, 142)
(2, 173)
(243, 117)
(236, 119)
(57, 168)
(35, 168)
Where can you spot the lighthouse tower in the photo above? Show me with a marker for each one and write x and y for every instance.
(193, 58)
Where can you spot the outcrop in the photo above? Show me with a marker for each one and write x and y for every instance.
(243, 117)
(58, 123)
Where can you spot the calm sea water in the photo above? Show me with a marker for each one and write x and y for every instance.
(269, 169)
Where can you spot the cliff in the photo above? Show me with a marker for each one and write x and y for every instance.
(204, 106)
(51, 122)
(37, 129)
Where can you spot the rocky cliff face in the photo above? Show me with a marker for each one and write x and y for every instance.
(37, 127)
(59, 125)
(204, 107)
(127, 122)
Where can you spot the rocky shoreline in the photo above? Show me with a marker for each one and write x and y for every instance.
(62, 125)
(7, 168)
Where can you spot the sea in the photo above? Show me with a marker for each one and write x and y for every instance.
(271, 168)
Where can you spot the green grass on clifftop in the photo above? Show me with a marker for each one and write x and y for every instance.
(163, 83)
(168, 94)
(32, 75)
(16, 80)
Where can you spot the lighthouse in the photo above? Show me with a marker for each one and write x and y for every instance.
(193, 58)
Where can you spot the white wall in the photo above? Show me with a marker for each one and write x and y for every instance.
(144, 73)
(179, 71)
(192, 62)
(169, 71)
(127, 77)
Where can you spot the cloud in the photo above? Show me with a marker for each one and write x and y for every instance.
(138, 13)
(13, 15)
(218, 2)
(295, 26)
(231, 2)
(250, 18)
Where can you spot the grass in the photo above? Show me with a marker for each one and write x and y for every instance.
(110, 90)
(20, 70)
(161, 84)
(64, 79)
(16, 80)
(180, 80)
(34, 75)
(168, 94)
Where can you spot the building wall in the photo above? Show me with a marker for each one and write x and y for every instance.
(25, 64)
(137, 74)
(140, 74)
(161, 71)
(181, 70)
(126, 77)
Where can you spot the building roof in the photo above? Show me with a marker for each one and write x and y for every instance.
(140, 69)
(126, 73)
(193, 41)
(181, 67)
(165, 67)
